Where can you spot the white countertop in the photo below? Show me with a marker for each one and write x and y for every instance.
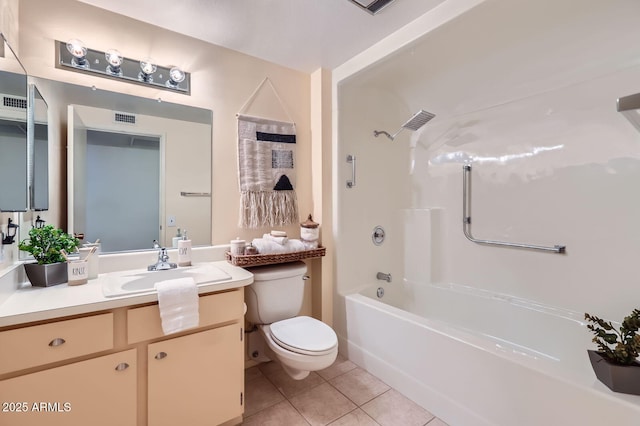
(28, 304)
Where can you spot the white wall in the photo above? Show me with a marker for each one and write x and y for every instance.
(525, 92)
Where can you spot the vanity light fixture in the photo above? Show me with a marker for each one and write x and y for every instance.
(75, 56)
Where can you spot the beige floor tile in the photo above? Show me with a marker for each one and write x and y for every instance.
(252, 374)
(437, 422)
(393, 409)
(281, 414)
(260, 395)
(322, 404)
(290, 387)
(355, 418)
(340, 366)
(359, 385)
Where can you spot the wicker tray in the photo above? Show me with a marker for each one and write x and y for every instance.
(270, 259)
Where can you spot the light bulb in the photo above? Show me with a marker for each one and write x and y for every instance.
(176, 75)
(147, 68)
(114, 59)
(79, 52)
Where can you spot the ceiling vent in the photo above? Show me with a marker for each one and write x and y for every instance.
(13, 102)
(121, 117)
(372, 6)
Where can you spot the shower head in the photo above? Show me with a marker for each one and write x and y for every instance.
(418, 120)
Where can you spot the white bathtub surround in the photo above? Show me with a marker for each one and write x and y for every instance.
(531, 105)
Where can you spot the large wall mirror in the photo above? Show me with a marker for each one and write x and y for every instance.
(135, 177)
(13, 132)
(137, 169)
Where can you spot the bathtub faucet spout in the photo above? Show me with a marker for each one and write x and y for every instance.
(384, 277)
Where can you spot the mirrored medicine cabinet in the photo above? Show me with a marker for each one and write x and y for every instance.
(13, 132)
(24, 176)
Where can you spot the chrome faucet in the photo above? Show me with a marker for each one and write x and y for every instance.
(163, 262)
(384, 277)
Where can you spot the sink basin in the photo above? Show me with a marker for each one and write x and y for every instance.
(142, 281)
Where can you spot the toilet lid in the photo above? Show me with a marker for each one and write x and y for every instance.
(304, 335)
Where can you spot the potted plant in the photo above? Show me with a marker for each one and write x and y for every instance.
(45, 245)
(615, 362)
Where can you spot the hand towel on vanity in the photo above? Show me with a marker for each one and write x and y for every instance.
(280, 240)
(178, 303)
(270, 247)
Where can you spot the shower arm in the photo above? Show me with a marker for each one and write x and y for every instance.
(382, 132)
(466, 221)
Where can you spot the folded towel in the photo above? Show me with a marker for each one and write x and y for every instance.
(178, 302)
(280, 240)
(270, 247)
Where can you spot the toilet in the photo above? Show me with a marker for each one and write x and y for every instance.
(300, 344)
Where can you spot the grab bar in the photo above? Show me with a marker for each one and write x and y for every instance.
(466, 221)
(351, 159)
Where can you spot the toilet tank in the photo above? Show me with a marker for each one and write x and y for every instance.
(277, 292)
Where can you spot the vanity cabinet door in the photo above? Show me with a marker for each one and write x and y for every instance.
(98, 392)
(197, 379)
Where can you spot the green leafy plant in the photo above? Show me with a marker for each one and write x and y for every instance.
(618, 346)
(45, 243)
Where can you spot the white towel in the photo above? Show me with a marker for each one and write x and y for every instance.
(178, 302)
(270, 247)
(280, 240)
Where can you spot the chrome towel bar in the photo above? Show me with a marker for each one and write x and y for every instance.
(466, 221)
(351, 159)
(195, 194)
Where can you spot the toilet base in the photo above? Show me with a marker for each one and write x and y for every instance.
(257, 347)
(259, 351)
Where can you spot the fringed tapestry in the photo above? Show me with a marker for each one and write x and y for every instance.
(266, 156)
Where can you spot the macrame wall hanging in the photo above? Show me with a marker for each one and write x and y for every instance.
(266, 160)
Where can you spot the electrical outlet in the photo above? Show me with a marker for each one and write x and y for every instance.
(171, 221)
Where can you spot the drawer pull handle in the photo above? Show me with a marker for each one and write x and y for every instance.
(161, 355)
(122, 366)
(56, 342)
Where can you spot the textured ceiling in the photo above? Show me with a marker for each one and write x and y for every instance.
(299, 34)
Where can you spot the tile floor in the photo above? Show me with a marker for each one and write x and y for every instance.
(341, 395)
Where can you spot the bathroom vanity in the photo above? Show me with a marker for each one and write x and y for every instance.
(71, 356)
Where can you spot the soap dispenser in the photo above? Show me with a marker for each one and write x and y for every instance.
(184, 250)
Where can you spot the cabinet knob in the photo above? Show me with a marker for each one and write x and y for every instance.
(122, 366)
(160, 355)
(57, 342)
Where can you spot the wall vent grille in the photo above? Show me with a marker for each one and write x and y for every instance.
(120, 117)
(372, 6)
(12, 102)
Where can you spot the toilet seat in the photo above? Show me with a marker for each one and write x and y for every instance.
(304, 335)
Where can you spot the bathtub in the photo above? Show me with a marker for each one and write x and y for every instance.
(473, 357)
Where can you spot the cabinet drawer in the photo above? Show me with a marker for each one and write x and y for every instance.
(145, 323)
(42, 344)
